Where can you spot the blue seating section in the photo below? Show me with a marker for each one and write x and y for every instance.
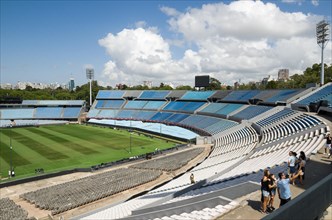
(196, 95)
(53, 102)
(144, 115)
(113, 103)
(275, 117)
(109, 103)
(161, 116)
(229, 108)
(213, 107)
(183, 106)
(242, 95)
(110, 94)
(323, 94)
(251, 111)
(48, 112)
(126, 114)
(220, 126)
(106, 113)
(157, 95)
(135, 104)
(17, 113)
(71, 112)
(176, 118)
(282, 95)
(43, 109)
(154, 105)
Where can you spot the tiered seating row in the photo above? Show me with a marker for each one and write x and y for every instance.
(171, 162)
(53, 102)
(287, 127)
(221, 109)
(154, 95)
(183, 106)
(243, 95)
(321, 94)
(283, 95)
(251, 111)
(196, 95)
(276, 117)
(276, 154)
(109, 103)
(9, 210)
(209, 124)
(41, 113)
(65, 196)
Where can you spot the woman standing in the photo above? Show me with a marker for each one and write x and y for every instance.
(265, 190)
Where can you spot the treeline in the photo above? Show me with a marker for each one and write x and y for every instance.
(310, 75)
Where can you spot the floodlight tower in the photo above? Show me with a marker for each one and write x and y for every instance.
(89, 76)
(322, 33)
(11, 151)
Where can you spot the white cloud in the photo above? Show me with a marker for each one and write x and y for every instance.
(169, 11)
(140, 24)
(299, 2)
(315, 2)
(242, 40)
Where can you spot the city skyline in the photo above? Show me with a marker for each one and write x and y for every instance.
(160, 41)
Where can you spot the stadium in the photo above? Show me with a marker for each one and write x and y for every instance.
(130, 156)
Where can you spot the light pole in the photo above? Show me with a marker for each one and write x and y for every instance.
(89, 76)
(131, 118)
(160, 125)
(322, 33)
(11, 151)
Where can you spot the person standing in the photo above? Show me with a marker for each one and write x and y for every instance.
(327, 148)
(291, 163)
(265, 190)
(283, 187)
(272, 190)
(192, 179)
(302, 163)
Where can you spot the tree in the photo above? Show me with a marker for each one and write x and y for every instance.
(271, 85)
(184, 87)
(214, 84)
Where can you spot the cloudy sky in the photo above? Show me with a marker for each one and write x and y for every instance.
(160, 41)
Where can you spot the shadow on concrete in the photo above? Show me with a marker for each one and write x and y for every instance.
(256, 205)
(315, 171)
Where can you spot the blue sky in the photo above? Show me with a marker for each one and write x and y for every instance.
(159, 41)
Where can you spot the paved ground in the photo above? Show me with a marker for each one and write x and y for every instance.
(317, 168)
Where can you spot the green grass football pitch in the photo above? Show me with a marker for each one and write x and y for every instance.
(63, 147)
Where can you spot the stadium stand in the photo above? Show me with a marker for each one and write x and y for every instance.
(249, 112)
(172, 131)
(241, 96)
(316, 97)
(219, 95)
(43, 109)
(262, 137)
(110, 94)
(135, 104)
(171, 162)
(62, 197)
(154, 105)
(132, 94)
(181, 106)
(175, 94)
(239, 154)
(9, 210)
(196, 95)
(283, 96)
(155, 95)
(20, 113)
